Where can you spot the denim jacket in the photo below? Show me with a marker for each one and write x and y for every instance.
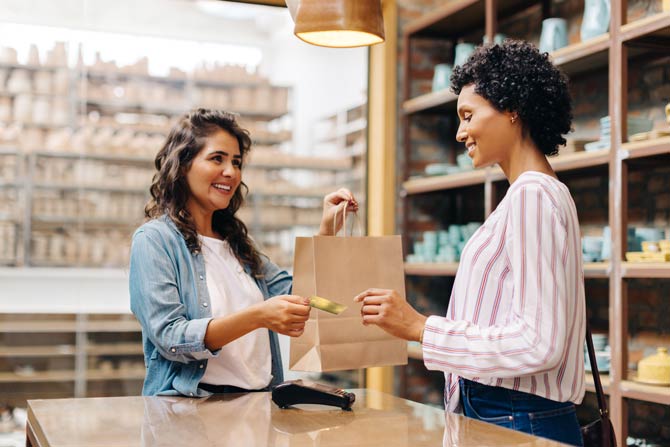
(168, 295)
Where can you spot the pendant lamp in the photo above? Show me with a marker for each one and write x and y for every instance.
(338, 23)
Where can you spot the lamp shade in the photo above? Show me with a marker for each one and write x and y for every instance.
(339, 23)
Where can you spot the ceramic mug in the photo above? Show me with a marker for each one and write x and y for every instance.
(463, 52)
(554, 34)
(441, 77)
(596, 19)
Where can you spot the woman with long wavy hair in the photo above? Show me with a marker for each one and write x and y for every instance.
(210, 304)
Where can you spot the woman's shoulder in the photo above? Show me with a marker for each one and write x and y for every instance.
(160, 227)
(540, 184)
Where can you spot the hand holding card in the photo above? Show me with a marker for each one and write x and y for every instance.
(326, 305)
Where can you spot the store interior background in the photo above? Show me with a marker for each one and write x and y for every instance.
(64, 321)
(88, 90)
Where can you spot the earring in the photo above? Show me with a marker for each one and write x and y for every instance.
(513, 119)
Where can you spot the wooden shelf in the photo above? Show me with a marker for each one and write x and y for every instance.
(646, 148)
(54, 326)
(604, 381)
(70, 376)
(442, 182)
(431, 269)
(434, 102)
(38, 351)
(109, 75)
(597, 270)
(583, 56)
(65, 187)
(37, 376)
(459, 17)
(566, 162)
(657, 25)
(580, 160)
(86, 221)
(115, 374)
(648, 393)
(34, 67)
(70, 350)
(309, 163)
(124, 159)
(645, 269)
(114, 349)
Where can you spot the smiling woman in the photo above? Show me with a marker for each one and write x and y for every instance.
(209, 302)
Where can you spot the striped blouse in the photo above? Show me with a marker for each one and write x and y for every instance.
(516, 317)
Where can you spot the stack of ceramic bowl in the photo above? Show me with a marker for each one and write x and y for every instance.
(592, 248)
(603, 354)
(442, 246)
(636, 125)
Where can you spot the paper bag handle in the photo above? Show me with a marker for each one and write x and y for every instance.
(344, 222)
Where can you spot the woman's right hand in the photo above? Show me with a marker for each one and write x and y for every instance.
(285, 314)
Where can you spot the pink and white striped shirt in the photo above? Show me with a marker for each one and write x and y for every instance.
(516, 317)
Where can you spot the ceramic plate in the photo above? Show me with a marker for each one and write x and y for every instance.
(650, 382)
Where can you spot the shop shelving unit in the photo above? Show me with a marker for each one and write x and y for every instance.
(610, 53)
(69, 354)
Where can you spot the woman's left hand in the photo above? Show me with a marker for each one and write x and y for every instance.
(389, 311)
(332, 218)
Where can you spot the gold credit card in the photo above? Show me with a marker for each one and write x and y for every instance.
(327, 305)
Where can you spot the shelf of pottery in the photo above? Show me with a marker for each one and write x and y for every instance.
(344, 133)
(64, 128)
(69, 355)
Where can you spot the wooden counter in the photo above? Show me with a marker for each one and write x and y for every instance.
(252, 419)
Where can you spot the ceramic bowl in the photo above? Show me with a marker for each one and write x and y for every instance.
(655, 369)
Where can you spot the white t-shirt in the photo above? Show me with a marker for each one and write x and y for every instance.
(245, 362)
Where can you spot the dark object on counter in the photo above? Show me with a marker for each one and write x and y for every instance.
(294, 392)
(600, 432)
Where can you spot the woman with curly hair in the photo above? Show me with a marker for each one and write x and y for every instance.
(511, 343)
(210, 304)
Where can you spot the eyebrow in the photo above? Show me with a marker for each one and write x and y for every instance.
(224, 153)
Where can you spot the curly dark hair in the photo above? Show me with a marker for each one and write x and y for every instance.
(515, 77)
(170, 191)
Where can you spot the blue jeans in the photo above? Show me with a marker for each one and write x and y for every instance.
(521, 411)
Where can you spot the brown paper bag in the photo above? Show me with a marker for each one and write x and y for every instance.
(339, 268)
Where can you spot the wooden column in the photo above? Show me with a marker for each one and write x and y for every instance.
(382, 123)
(618, 315)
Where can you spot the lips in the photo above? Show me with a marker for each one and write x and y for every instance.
(223, 188)
(471, 148)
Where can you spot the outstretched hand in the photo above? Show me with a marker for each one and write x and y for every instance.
(333, 217)
(389, 311)
(286, 314)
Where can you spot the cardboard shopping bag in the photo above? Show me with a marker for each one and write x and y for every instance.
(339, 268)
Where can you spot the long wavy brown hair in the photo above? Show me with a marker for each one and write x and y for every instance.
(170, 191)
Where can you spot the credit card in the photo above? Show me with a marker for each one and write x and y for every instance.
(327, 305)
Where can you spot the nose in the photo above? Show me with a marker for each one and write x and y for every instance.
(461, 134)
(228, 169)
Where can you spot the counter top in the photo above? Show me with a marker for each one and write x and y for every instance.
(252, 419)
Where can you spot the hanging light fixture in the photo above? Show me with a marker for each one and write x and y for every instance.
(338, 23)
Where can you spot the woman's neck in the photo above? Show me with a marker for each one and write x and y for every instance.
(523, 158)
(202, 221)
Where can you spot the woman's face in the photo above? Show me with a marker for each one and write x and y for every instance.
(487, 133)
(215, 173)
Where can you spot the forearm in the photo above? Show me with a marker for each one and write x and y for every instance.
(224, 330)
(503, 351)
